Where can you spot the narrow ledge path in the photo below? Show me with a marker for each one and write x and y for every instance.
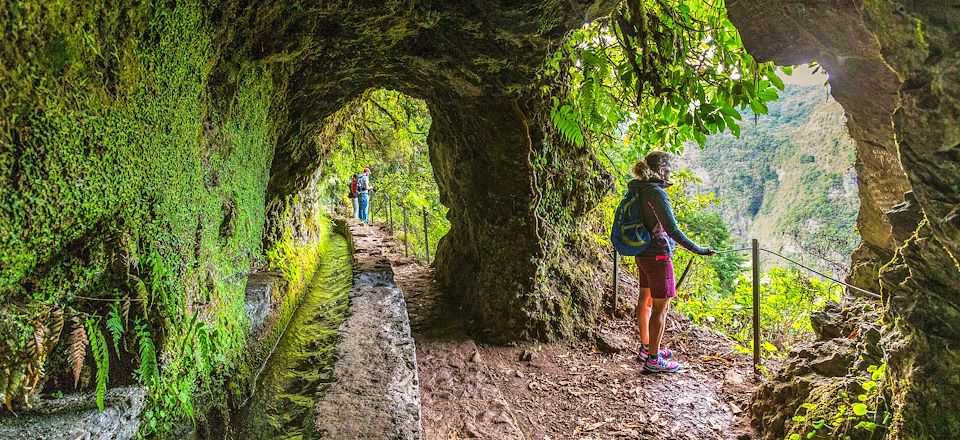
(567, 391)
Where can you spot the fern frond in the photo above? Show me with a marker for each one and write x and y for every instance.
(77, 347)
(140, 288)
(148, 356)
(55, 324)
(40, 335)
(125, 310)
(115, 326)
(34, 345)
(99, 347)
(566, 123)
(204, 348)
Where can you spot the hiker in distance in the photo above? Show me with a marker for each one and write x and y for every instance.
(354, 195)
(644, 227)
(363, 193)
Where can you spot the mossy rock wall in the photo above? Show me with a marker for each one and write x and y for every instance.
(516, 259)
(134, 153)
(895, 69)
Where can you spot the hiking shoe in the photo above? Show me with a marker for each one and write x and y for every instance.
(665, 353)
(657, 364)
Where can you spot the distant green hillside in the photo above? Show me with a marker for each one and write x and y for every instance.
(789, 179)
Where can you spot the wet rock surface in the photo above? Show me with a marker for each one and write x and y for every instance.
(77, 417)
(377, 390)
(259, 300)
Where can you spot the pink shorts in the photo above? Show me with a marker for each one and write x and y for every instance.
(656, 274)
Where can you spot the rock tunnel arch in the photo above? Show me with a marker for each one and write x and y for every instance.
(491, 260)
(474, 75)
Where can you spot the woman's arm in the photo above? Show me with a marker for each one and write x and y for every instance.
(661, 207)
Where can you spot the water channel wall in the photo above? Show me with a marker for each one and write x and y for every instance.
(377, 392)
(76, 417)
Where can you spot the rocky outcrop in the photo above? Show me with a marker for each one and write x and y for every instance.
(77, 417)
(894, 68)
(820, 377)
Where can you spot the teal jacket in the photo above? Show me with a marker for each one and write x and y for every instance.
(659, 220)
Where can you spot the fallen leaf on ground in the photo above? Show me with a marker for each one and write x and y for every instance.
(593, 426)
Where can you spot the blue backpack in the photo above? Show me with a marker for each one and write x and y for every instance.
(629, 236)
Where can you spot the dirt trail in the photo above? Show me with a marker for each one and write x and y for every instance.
(568, 391)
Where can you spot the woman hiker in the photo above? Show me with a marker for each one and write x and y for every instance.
(656, 270)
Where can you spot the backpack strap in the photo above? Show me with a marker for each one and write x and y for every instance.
(654, 211)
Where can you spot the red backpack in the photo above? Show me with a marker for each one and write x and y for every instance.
(353, 187)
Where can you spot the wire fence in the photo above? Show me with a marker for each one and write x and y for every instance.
(755, 251)
(416, 227)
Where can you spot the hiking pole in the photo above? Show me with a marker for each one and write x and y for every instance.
(684, 273)
(689, 262)
(732, 250)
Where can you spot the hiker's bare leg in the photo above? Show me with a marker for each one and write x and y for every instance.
(663, 321)
(644, 306)
(658, 321)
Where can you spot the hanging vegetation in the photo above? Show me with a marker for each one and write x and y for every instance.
(654, 74)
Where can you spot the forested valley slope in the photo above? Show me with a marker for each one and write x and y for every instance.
(789, 179)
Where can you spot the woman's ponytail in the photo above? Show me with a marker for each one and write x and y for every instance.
(642, 171)
(649, 167)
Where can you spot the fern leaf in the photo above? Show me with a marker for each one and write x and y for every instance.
(566, 123)
(29, 347)
(101, 355)
(140, 288)
(125, 311)
(77, 348)
(115, 326)
(148, 356)
(38, 341)
(55, 324)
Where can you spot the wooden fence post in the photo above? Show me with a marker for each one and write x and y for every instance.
(755, 245)
(406, 231)
(616, 279)
(426, 235)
